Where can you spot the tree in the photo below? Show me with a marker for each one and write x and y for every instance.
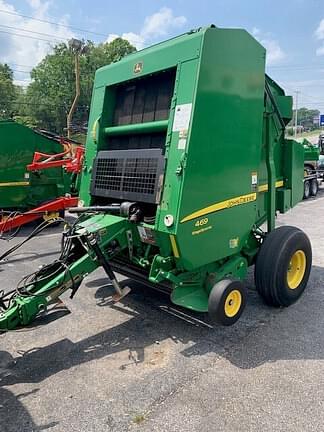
(7, 91)
(51, 92)
(306, 118)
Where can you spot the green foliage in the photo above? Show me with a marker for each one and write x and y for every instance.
(80, 138)
(306, 118)
(25, 120)
(7, 91)
(51, 92)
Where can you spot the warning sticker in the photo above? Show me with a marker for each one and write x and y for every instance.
(233, 243)
(182, 117)
(146, 234)
(182, 143)
(254, 181)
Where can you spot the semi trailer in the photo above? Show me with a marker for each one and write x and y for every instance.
(312, 173)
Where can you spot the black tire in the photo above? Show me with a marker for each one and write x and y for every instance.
(306, 189)
(313, 187)
(226, 302)
(284, 250)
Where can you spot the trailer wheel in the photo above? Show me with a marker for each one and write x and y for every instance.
(283, 266)
(313, 187)
(226, 302)
(306, 189)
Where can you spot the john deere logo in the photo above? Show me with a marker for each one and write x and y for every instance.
(138, 67)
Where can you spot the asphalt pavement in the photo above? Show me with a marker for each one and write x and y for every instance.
(142, 364)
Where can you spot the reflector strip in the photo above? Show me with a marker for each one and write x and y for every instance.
(23, 183)
(174, 246)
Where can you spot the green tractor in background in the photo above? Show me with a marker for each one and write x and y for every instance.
(39, 175)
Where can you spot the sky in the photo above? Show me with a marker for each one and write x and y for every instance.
(292, 31)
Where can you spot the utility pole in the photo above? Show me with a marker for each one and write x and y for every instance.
(78, 48)
(296, 112)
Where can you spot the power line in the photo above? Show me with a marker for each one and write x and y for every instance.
(19, 65)
(309, 97)
(306, 95)
(79, 107)
(297, 67)
(302, 93)
(20, 71)
(30, 103)
(29, 31)
(53, 23)
(31, 37)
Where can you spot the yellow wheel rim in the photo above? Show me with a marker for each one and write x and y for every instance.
(233, 303)
(296, 269)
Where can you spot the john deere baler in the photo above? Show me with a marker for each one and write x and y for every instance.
(185, 161)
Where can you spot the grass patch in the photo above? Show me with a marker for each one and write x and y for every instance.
(139, 418)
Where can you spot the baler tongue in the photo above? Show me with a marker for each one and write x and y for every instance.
(83, 250)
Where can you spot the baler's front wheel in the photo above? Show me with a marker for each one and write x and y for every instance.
(283, 266)
(226, 302)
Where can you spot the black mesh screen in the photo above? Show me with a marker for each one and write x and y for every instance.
(144, 100)
(109, 173)
(128, 174)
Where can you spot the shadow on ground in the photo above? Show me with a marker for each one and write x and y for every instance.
(285, 337)
(14, 417)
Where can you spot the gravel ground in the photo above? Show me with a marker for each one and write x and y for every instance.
(140, 365)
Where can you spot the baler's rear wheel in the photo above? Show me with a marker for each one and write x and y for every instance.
(283, 266)
(226, 302)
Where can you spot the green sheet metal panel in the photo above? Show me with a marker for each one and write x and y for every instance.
(311, 152)
(294, 170)
(223, 149)
(18, 187)
(160, 57)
